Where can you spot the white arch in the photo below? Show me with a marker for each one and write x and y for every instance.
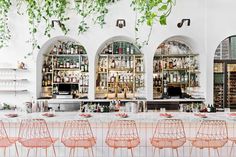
(39, 62)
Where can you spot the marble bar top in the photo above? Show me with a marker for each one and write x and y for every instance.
(107, 100)
(146, 117)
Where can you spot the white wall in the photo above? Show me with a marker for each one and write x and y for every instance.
(211, 22)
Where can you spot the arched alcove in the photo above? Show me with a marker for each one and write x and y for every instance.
(225, 73)
(62, 69)
(119, 70)
(175, 69)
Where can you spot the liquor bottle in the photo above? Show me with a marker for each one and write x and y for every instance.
(43, 82)
(112, 79)
(110, 49)
(49, 80)
(81, 49)
(44, 66)
(113, 64)
(106, 50)
(58, 78)
(54, 50)
(127, 49)
(72, 49)
(60, 51)
(120, 48)
(132, 49)
(208, 108)
(186, 77)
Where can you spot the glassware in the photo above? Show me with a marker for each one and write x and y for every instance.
(227, 110)
(162, 110)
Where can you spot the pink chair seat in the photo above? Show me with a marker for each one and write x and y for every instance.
(167, 142)
(38, 142)
(208, 143)
(79, 142)
(123, 142)
(7, 142)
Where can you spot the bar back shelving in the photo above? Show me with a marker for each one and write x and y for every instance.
(120, 72)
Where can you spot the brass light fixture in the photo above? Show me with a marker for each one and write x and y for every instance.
(120, 23)
(180, 24)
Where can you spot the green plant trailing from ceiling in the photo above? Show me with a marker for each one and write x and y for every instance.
(46, 10)
(150, 11)
(4, 29)
(97, 8)
(147, 11)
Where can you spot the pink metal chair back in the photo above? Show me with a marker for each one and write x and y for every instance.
(122, 133)
(211, 134)
(34, 129)
(3, 135)
(6, 141)
(78, 133)
(170, 129)
(213, 130)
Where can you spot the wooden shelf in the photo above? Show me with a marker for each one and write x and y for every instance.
(176, 55)
(65, 55)
(20, 90)
(13, 79)
(14, 69)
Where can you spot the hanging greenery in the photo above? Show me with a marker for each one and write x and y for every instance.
(150, 11)
(97, 8)
(38, 11)
(46, 10)
(4, 29)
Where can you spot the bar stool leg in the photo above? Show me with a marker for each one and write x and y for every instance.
(46, 150)
(172, 152)
(17, 153)
(92, 152)
(114, 152)
(209, 152)
(154, 150)
(28, 152)
(177, 152)
(74, 152)
(88, 152)
(131, 152)
(231, 149)
(70, 152)
(218, 152)
(36, 151)
(4, 151)
(191, 149)
(53, 147)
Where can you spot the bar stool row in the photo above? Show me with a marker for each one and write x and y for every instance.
(169, 133)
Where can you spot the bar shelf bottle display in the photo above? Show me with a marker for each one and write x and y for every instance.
(120, 72)
(65, 71)
(175, 65)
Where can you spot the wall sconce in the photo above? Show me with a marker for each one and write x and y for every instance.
(56, 21)
(120, 23)
(180, 24)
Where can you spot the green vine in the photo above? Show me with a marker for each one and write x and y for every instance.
(147, 11)
(4, 29)
(150, 11)
(44, 10)
(55, 9)
(86, 8)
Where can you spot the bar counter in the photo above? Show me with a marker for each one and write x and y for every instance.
(146, 123)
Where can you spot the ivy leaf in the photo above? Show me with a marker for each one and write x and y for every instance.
(163, 20)
(163, 8)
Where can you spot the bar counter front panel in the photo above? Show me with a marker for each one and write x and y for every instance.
(146, 123)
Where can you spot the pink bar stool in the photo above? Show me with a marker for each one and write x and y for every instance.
(211, 134)
(169, 133)
(34, 133)
(5, 140)
(122, 134)
(78, 133)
